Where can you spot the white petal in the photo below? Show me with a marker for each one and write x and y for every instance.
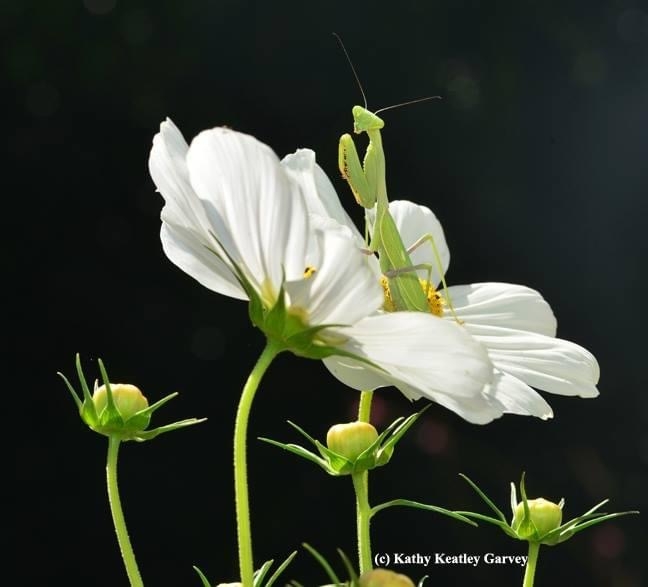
(192, 256)
(502, 304)
(413, 222)
(343, 289)
(546, 363)
(254, 208)
(424, 357)
(479, 409)
(518, 398)
(319, 193)
(185, 227)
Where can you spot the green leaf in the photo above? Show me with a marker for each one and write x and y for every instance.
(261, 573)
(87, 396)
(353, 576)
(323, 563)
(485, 498)
(158, 404)
(281, 569)
(565, 533)
(402, 429)
(303, 433)
(204, 580)
(75, 397)
(300, 451)
(422, 506)
(337, 462)
(150, 434)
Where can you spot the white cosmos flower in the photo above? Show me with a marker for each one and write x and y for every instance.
(514, 324)
(237, 220)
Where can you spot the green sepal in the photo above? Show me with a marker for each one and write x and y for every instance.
(526, 530)
(284, 328)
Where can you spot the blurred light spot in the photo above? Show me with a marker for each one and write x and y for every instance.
(632, 25)
(137, 27)
(589, 67)
(207, 343)
(461, 83)
(608, 541)
(433, 437)
(99, 6)
(379, 411)
(42, 100)
(465, 91)
(591, 471)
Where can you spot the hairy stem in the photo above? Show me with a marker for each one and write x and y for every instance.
(119, 522)
(242, 499)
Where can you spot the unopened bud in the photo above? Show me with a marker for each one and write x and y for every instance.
(545, 515)
(128, 399)
(352, 439)
(384, 578)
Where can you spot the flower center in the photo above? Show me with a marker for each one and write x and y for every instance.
(434, 300)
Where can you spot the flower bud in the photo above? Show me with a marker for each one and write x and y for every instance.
(126, 418)
(384, 578)
(352, 439)
(545, 515)
(128, 399)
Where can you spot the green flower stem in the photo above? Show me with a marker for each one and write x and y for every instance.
(363, 513)
(241, 496)
(118, 515)
(529, 573)
(364, 407)
(361, 486)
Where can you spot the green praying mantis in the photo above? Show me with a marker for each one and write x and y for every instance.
(369, 187)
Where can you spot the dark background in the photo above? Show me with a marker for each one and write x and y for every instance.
(535, 162)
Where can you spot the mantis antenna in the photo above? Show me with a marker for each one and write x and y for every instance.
(353, 69)
(408, 103)
(364, 96)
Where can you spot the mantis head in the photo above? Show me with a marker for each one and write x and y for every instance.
(363, 120)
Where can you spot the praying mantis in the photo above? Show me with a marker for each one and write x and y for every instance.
(368, 185)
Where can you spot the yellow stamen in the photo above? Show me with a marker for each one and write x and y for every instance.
(434, 299)
(308, 272)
